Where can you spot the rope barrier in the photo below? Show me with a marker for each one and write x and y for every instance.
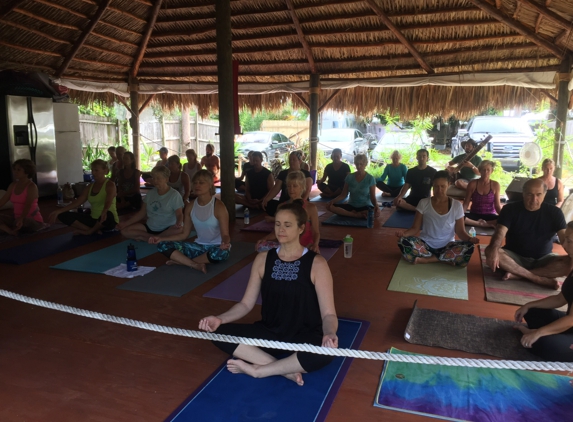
(295, 347)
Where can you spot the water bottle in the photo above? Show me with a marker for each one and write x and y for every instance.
(60, 195)
(472, 232)
(247, 217)
(131, 258)
(370, 220)
(348, 246)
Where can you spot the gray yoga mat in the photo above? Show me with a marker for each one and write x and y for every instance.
(469, 333)
(177, 280)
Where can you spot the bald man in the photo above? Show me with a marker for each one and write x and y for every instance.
(528, 227)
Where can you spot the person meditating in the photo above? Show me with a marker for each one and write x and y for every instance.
(528, 227)
(178, 179)
(362, 188)
(211, 162)
(244, 167)
(549, 332)
(438, 219)
(163, 208)
(210, 219)
(127, 182)
(23, 193)
(396, 173)
(117, 166)
(336, 173)
(296, 185)
(270, 205)
(101, 196)
(191, 167)
(298, 306)
(483, 194)
(259, 181)
(419, 181)
(555, 187)
(469, 171)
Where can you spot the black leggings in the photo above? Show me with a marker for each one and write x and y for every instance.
(68, 218)
(554, 347)
(486, 217)
(272, 206)
(309, 361)
(388, 189)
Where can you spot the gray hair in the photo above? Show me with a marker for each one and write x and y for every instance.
(396, 153)
(161, 170)
(532, 183)
(361, 158)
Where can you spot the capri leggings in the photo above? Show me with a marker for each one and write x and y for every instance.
(68, 218)
(309, 361)
(457, 253)
(193, 250)
(554, 347)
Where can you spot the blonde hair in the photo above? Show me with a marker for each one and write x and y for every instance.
(101, 164)
(207, 176)
(299, 178)
(547, 161)
(161, 170)
(486, 163)
(396, 153)
(361, 158)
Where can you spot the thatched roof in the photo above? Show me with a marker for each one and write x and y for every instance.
(173, 42)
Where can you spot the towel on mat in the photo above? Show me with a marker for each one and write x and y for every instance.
(121, 271)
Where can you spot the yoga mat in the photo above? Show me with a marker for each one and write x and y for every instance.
(238, 397)
(100, 261)
(400, 219)
(436, 279)
(240, 211)
(470, 333)
(515, 292)
(482, 231)
(39, 249)
(474, 394)
(319, 198)
(265, 226)
(5, 237)
(233, 288)
(177, 280)
(338, 220)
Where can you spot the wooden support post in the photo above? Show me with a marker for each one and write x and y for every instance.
(561, 117)
(196, 147)
(185, 130)
(314, 91)
(226, 117)
(134, 121)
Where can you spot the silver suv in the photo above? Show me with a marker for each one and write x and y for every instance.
(509, 135)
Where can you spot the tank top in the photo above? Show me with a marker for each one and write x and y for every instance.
(205, 223)
(177, 185)
(127, 184)
(290, 304)
(552, 194)
(19, 201)
(191, 170)
(97, 202)
(483, 204)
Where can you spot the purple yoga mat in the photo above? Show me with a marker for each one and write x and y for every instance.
(265, 226)
(234, 287)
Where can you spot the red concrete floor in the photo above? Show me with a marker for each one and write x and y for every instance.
(60, 367)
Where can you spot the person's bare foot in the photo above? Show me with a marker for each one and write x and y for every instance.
(387, 194)
(238, 366)
(269, 219)
(510, 276)
(200, 267)
(422, 260)
(552, 283)
(172, 262)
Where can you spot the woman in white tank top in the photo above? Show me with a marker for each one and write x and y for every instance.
(210, 219)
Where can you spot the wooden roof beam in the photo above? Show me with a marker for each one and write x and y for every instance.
(302, 100)
(82, 38)
(329, 99)
(146, 34)
(146, 103)
(518, 26)
(548, 14)
(10, 7)
(306, 48)
(124, 103)
(562, 37)
(390, 25)
(549, 96)
(116, 10)
(35, 31)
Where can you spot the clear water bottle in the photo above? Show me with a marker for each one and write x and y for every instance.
(60, 195)
(247, 218)
(472, 232)
(131, 258)
(348, 246)
(370, 220)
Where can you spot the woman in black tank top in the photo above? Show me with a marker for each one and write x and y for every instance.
(291, 280)
(555, 188)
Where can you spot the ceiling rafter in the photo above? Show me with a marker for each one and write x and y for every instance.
(10, 7)
(548, 14)
(305, 47)
(116, 10)
(390, 25)
(145, 39)
(35, 31)
(518, 26)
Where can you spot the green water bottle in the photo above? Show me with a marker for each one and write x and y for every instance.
(348, 246)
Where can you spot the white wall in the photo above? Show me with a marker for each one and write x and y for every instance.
(68, 143)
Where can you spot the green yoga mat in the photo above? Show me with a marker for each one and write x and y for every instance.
(100, 261)
(435, 279)
(177, 280)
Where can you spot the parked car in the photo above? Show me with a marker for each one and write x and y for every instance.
(398, 140)
(350, 141)
(266, 142)
(509, 135)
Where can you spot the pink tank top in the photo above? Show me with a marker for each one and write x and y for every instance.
(20, 200)
(483, 204)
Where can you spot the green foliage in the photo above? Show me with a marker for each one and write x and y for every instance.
(321, 159)
(97, 108)
(252, 121)
(91, 154)
(147, 151)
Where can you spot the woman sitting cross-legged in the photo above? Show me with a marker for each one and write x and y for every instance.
(483, 193)
(259, 181)
(362, 189)
(336, 173)
(440, 218)
(298, 306)
(396, 174)
(127, 181)
(163, 208)
(23, 193)
(549, 332)
(101, 196)
(210, 219)
(296, 185)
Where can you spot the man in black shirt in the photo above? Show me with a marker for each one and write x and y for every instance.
(419, 180)
(528, 228)
(259, 181)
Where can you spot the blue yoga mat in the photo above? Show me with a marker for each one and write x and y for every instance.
(400, 219)
(39, 249)
(338, 220)
(228, 397)
(319, 198)
(100, 261)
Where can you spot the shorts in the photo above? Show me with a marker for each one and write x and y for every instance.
(349, 207)
(530, 263)
(154, 231)
(413, 200)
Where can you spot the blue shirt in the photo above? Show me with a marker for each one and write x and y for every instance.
(360, 191)
(161, 209)
(396, 175)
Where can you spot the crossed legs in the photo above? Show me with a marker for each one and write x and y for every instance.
(545, 275)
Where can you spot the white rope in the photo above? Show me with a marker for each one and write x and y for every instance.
(296, 347)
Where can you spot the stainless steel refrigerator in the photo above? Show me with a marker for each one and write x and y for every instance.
(27, 131)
